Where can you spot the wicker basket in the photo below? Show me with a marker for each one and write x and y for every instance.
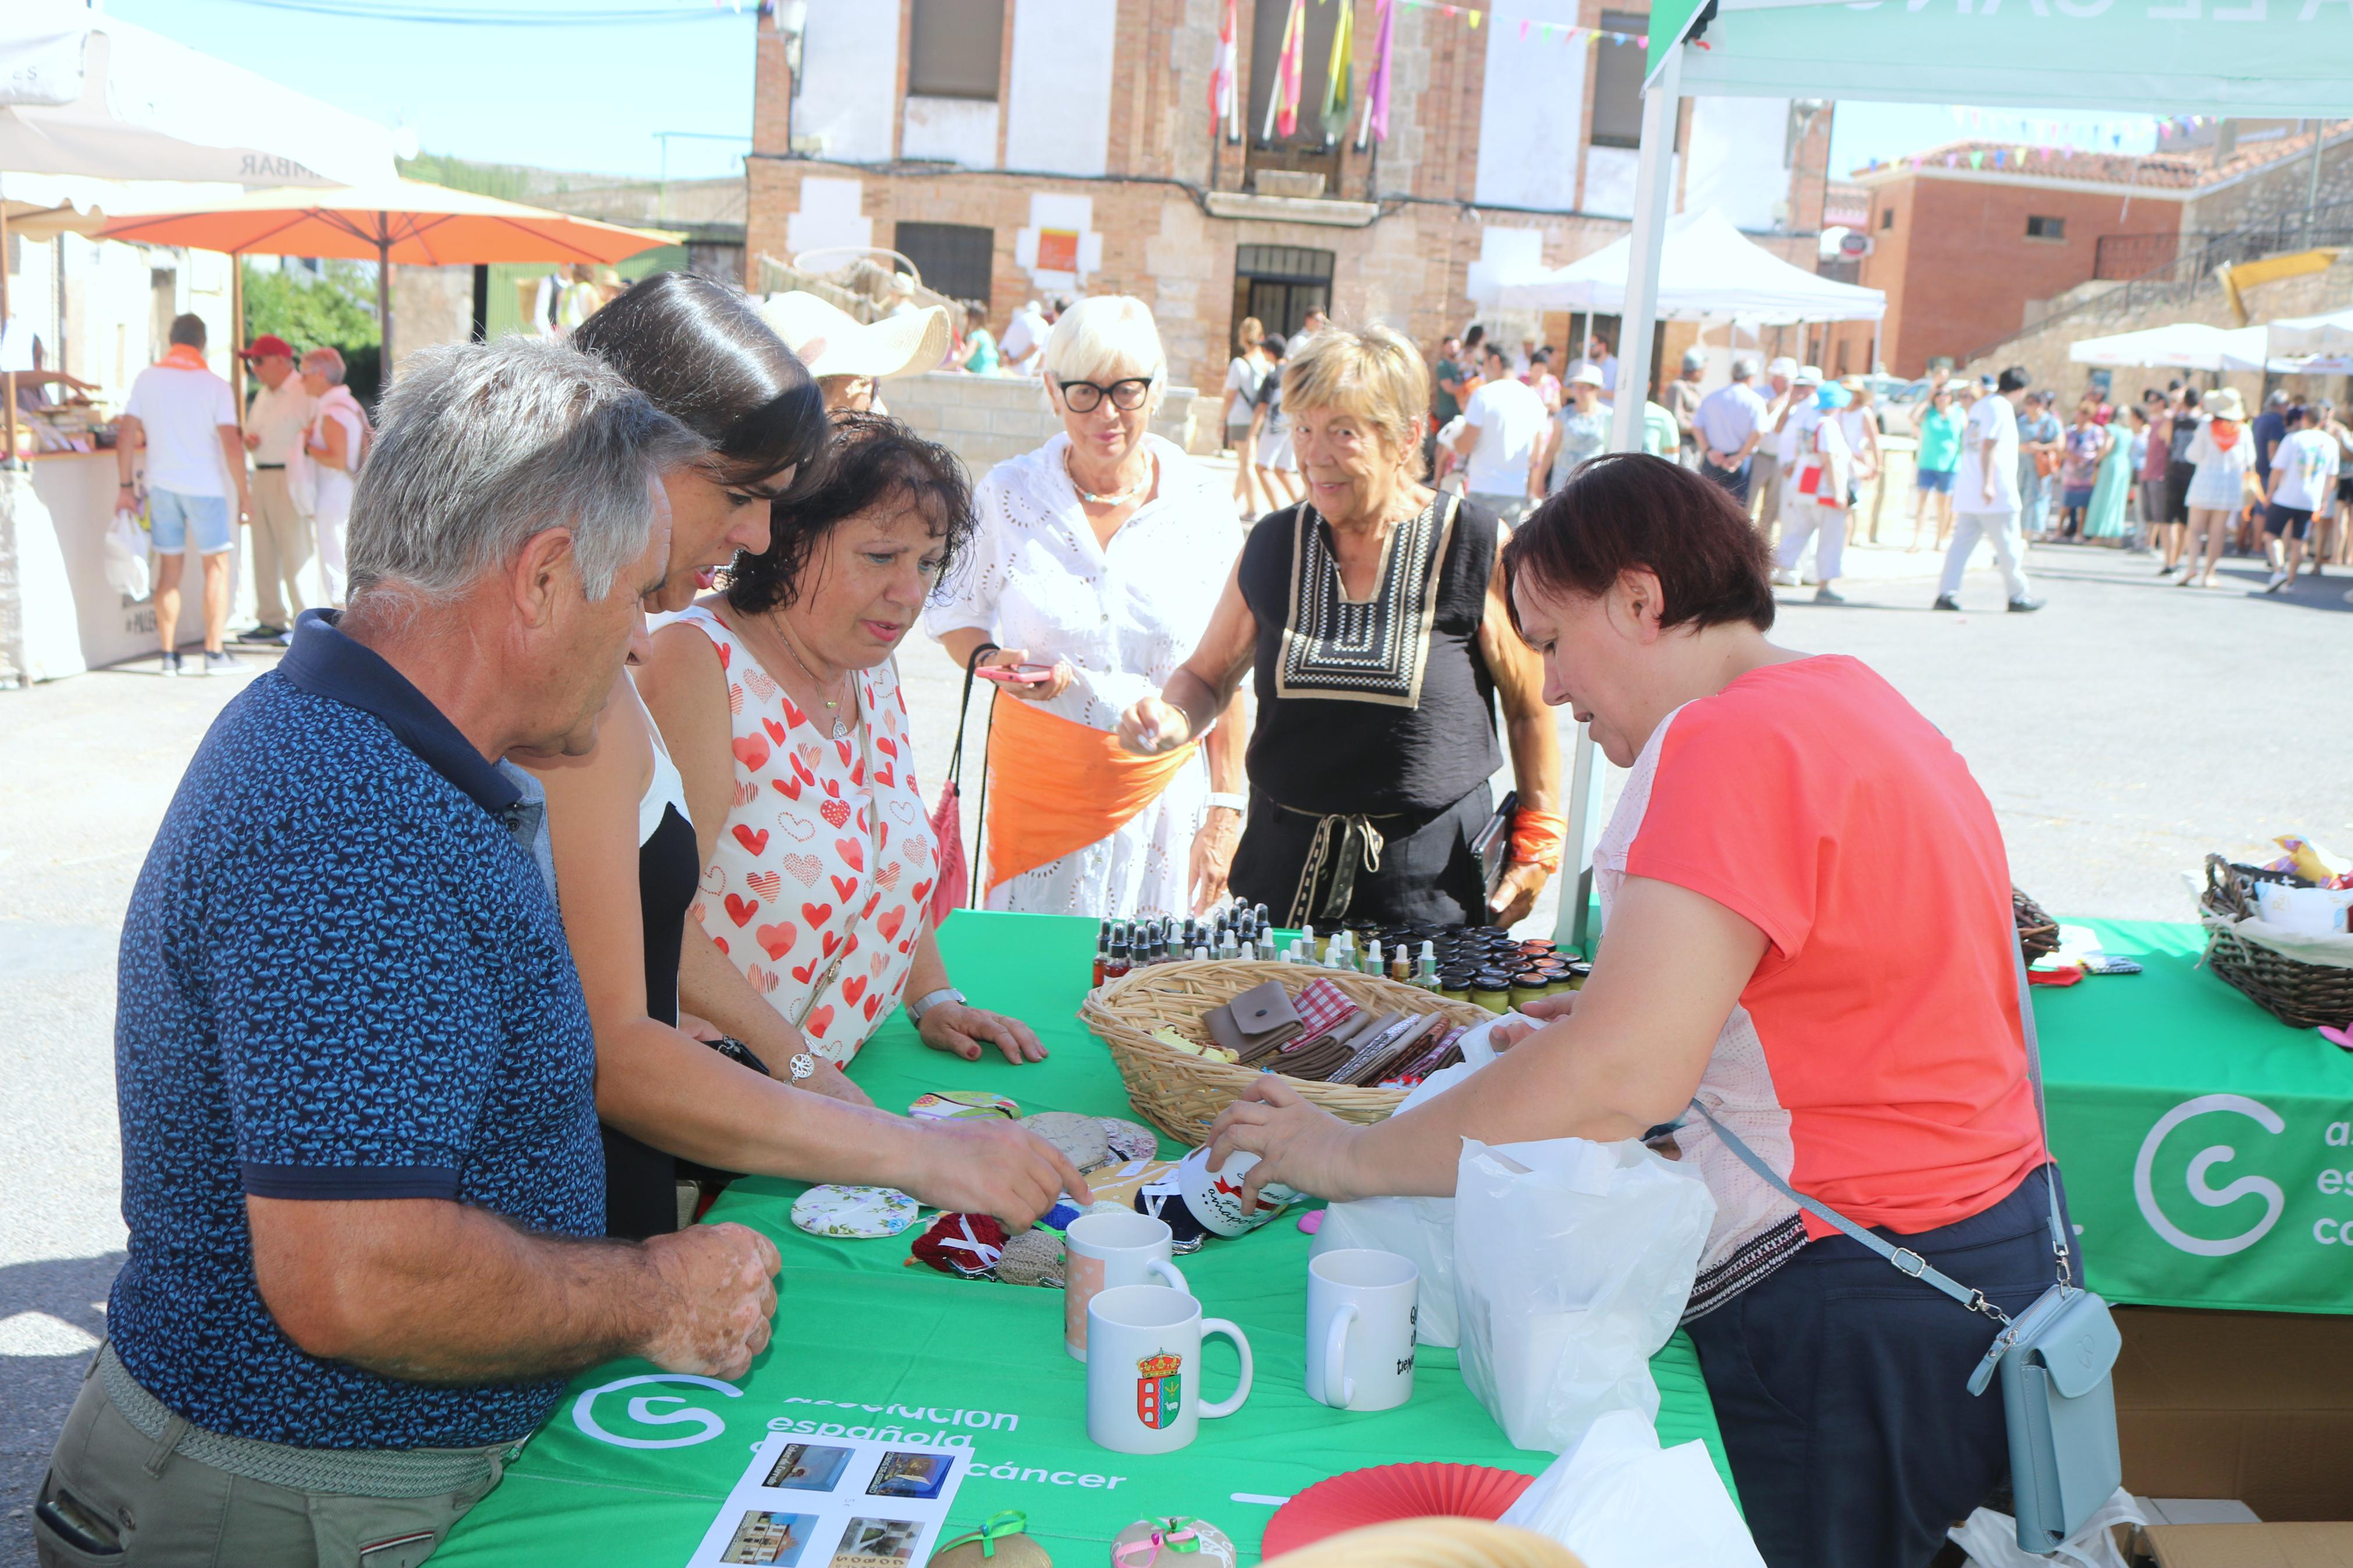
(2038, 934)
(1182, 1094)
(2305, 995)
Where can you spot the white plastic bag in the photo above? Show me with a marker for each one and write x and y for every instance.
(1420, 1228)
(1618, 1501)
(126, 556)
(1991, 1539)
(1573, 1261)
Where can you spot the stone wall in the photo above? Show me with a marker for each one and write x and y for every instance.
(2044, 353)
(985, 419)
(2282, 186)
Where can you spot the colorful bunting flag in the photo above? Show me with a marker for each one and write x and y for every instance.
(1376, 90)
(1340, 73)
(1224, 101)
(1282, 100)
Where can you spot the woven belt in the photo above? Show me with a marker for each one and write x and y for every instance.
(355, 1472)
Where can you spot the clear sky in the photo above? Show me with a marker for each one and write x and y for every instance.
(579, 96)
(590, 95)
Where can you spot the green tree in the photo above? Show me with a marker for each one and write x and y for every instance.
(336, 310)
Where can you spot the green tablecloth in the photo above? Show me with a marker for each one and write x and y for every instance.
(867, 1344)
(2204, 1142)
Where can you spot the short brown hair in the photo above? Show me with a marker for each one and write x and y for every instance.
(1629, 510)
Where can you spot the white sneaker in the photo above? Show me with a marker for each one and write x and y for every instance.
(1784, 578)
(2279, 580)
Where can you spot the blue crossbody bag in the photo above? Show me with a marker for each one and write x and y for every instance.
(2053, 1359)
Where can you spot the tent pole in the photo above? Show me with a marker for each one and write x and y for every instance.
(1654, 192)
(8, 379)
(384, 302)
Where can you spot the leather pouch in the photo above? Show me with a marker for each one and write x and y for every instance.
(1261, 1017)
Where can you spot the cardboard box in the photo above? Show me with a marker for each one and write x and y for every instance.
(2252, 1545)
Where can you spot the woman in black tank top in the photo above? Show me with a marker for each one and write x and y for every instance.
(1372, 617)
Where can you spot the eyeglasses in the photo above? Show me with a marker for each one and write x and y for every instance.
(1085, 396)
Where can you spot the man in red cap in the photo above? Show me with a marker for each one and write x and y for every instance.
(281, 537)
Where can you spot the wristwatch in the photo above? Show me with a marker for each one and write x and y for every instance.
(929, 1000)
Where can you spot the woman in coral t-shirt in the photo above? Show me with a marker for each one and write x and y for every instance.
(1809, 932)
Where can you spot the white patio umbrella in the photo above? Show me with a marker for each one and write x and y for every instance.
(2183, 346)
(82, 92)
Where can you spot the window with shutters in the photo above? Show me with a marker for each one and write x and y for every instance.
(954, 259)
(1618, 82)
(954, 48)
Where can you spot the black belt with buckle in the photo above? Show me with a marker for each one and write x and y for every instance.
(267, 466)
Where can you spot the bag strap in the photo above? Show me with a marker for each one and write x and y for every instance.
(1903, 1258)
(955, 764)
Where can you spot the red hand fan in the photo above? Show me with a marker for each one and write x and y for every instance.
(1389, 1492)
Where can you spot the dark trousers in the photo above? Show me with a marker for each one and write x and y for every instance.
(1427, 871)
(1734, 480)
(1841, 1389)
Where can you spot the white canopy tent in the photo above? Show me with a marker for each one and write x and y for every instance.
(1708, 269)
(2184, 345)
(2330, 334)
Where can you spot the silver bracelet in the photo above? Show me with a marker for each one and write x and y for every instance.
(1231, 801)
(929, 1000)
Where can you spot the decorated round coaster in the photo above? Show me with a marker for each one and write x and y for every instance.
(1033, 1258)
(1130, 1140)
(1080, 1137)
(1171, 1543)
(855, 1213)
(962, 1104)
(1000, 1543)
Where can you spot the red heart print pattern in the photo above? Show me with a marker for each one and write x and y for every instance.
(850, 946)
(853, 988)
(835, 812)
(761, 979)
(751, 752)
(741, 911)
(843, 887)
(843, 747)
(777, 941)
(718, 941)
(802, 770)
(757, 679)
(820, 1021)
(789, 788)
(746, 792)
(919, 892)
(768, 884)
(858, 772)
(799, 829)
(734, 699)
(887, 746)
(793, 715)
(810, 754)
(872, 899)
(832, 939)
(853, 853)
(801, 972)
(755, 842)
(876, 964)
(889, 924)
(723, 651)
(804, 869)
(775, 730)
(883, 777)
(815, 916)
(873, 1006)
(887, 878)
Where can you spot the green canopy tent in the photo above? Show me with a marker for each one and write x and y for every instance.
(2135, 57)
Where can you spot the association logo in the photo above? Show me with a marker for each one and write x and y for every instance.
(2194, 1178)
(643, 1410)
(1159, 1390)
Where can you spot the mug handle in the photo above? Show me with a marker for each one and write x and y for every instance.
(1241, 1389)
(1338, 1388)
(1169, 1274)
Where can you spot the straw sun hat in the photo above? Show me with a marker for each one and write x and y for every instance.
(831, 342)
(2227, 404)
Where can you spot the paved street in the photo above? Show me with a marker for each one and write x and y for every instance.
(2121, 735)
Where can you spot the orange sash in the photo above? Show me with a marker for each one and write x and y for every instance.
(183, 356)
(1061, 786)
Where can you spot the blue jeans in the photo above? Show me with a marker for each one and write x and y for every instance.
(1842, 1388)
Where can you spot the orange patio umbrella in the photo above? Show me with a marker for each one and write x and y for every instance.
(405, 221)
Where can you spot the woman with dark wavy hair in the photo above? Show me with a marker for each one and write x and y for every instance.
(783, 705)
(625, 845)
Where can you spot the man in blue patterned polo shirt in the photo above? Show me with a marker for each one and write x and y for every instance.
(361, 1166)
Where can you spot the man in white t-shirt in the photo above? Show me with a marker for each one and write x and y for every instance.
(1502, 426)
(185, 416)
(2303, 480)
(1985, 494)
(280, 412)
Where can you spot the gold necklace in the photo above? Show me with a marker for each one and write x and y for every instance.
(832, 705)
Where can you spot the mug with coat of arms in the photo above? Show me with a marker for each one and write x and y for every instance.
(1144, 1369)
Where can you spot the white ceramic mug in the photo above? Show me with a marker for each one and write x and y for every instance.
(1361, 1313)
(1144, 1369)
(1105, 1252)
(1216, 1198)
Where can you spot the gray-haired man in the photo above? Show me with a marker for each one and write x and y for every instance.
(361, 1166)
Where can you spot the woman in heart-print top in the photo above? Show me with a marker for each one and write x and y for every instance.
(781, 706)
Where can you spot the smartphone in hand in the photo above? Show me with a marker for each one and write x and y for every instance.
(1020, 675)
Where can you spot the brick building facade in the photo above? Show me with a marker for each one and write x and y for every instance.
(1968, 254)
(1085, 160)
